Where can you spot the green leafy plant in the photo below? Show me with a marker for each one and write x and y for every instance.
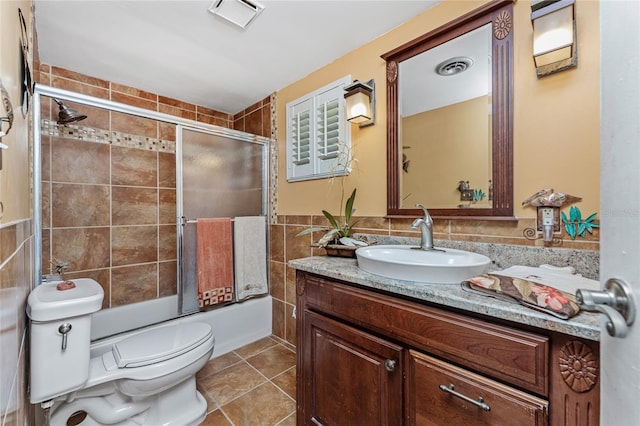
(337, 230)
(575, 226)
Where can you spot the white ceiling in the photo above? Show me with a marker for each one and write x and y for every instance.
(177, 49)
(422, 89)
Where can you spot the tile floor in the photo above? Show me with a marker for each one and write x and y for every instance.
(254, 385)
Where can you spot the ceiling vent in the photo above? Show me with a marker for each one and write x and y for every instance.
(454, 66)
(238, 12)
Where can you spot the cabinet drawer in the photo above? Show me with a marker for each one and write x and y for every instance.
(439, 393)
(514, 356)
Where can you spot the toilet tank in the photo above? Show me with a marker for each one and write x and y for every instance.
(57, 309)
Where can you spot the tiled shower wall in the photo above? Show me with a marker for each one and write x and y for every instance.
(15, 283)
(109, 188)
(109, 209)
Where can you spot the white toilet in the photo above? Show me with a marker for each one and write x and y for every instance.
(147, 378)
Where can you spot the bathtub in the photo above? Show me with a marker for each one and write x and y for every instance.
(233, 325)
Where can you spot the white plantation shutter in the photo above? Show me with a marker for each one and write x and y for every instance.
(301, 138)
(318, 135)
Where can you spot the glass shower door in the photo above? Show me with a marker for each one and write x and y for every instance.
(221, 176)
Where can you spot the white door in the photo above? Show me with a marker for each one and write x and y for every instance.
(620, 199)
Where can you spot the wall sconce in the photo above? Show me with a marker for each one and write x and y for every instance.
(361, 103)
(554, 35)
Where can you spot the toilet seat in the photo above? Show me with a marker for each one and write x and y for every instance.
(159, 344)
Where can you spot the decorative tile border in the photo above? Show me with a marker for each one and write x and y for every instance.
(273, 173)
(89, 134)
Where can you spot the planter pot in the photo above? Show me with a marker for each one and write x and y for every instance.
(339, 250)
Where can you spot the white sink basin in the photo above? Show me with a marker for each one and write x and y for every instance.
(406, 263)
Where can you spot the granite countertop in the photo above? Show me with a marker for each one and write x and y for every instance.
(585, 325)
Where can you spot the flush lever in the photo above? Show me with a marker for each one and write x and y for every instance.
(615, 301)
(64, 329)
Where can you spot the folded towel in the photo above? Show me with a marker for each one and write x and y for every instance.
(527, 293)
(214, 261)
(557, 278)
(250, 246)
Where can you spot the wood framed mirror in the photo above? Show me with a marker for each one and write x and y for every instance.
(450, 134)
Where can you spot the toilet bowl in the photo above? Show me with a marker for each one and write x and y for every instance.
(147, 378)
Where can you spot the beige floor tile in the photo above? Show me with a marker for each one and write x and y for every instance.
(287, 382)
(289, 421)
(231, 382)
(217, 364)
(216, 418)
(255, 347)
(273, 361)
(265, 406)
(211, 403)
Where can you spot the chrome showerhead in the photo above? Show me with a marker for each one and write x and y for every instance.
(68, 115)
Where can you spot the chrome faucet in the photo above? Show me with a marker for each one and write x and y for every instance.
(426, 229)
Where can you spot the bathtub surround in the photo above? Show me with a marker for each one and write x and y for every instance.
(113, 138)
(131, 160)
(109, 204)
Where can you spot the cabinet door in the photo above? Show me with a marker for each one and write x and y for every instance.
(439, 393)
(350, 377)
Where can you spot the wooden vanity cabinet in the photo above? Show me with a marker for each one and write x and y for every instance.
(353, 377)
(367, 358)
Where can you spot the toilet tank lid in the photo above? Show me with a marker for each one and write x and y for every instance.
(159, 344)
(47, 303)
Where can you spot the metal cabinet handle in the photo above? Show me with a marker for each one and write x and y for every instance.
(64, 329)
(390, 365)
(615, 301)
(479, 403)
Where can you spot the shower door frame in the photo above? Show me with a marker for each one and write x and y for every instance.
(179, 122)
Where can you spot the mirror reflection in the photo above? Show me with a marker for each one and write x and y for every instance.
(450, 135)
(444, 124)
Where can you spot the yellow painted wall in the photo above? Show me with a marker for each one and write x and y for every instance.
(15, 174)
(556, 118)
(436, 134)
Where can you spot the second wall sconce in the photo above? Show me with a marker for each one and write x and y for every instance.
(555, 45)
(361, 102)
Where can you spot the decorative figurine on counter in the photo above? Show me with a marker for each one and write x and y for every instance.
(549, 197)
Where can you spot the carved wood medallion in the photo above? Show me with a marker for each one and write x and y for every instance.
(578, 366)
(392, 71)
(502, 25)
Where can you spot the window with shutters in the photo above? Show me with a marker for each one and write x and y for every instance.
(318, 134)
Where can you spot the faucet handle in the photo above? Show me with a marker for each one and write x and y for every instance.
(427, 216)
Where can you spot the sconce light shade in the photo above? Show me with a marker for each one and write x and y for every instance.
(554, 35)
(360, 99)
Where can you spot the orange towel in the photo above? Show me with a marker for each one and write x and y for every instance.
(215, 261)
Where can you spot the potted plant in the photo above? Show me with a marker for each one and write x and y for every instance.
(338, 241)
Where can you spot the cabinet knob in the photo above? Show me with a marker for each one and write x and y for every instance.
(390, 365)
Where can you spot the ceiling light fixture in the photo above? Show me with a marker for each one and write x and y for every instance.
(238, 12)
